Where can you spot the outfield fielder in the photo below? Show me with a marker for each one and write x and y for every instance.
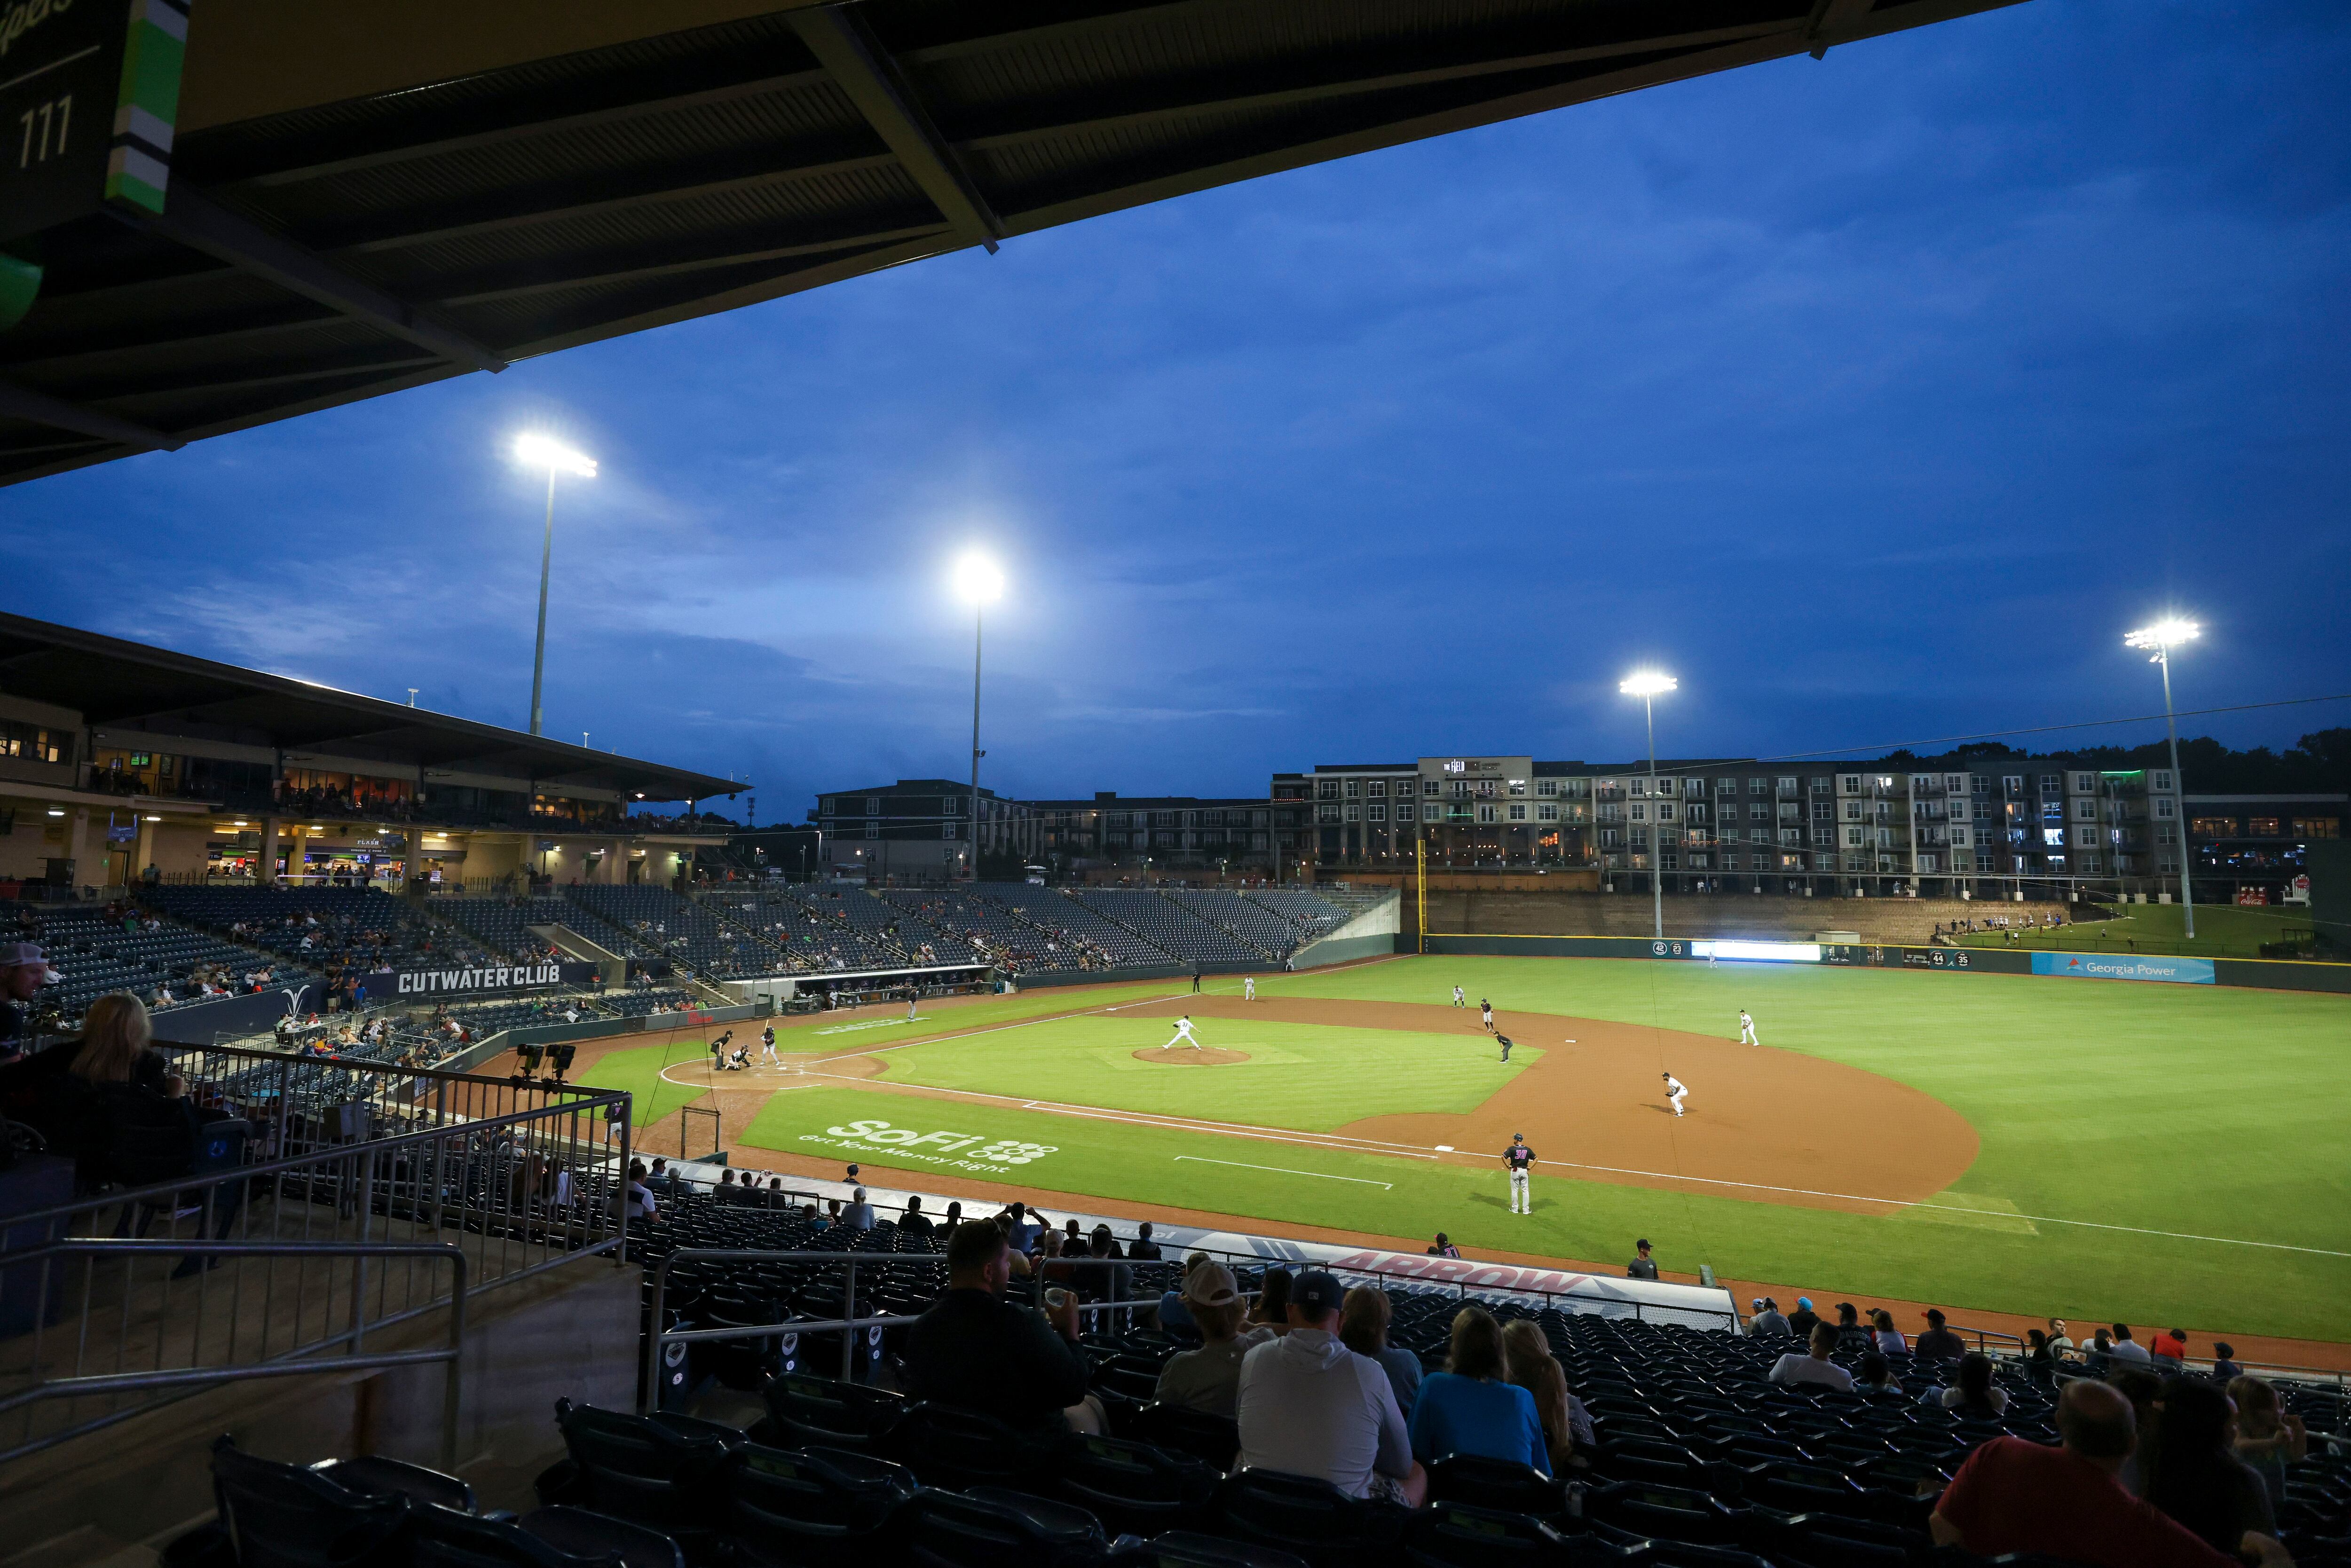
(1520, 1159)
(1674, 1093)
(1747, 1030)
(1183, 1036)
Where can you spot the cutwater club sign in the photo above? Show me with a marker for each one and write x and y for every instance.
(386, 983)
(959, 1150)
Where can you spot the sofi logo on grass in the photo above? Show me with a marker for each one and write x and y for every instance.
(943, 1148)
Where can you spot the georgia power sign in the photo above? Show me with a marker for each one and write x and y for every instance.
(964, 1151)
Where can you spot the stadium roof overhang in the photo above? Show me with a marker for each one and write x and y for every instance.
(119, 685)
(371, 195)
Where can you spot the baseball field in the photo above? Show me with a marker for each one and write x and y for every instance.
(2089, 1149)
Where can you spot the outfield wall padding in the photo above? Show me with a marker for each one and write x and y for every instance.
(2259, 973)
(1047, 978)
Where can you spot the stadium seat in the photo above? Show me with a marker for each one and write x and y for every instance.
(1215, 1438)
(285, 1516)
(804, 1410)
(996, 1527)
(1458, 1535)
(377, 1476)
(583, 1533)
(1670, 1513)
(1302, 1514)
(1135, 1488)
(443, 1538)
(818, 1506)
(1478, 1482)
(948, 1446)
(1186, 1549)
(658, 1470)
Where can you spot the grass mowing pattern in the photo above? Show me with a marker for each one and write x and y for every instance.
(2164, 1108)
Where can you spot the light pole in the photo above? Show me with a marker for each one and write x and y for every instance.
(2164, 636)
(1647, 684)
(543, 452)
(978, 579)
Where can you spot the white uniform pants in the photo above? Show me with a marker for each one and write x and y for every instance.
(1677, 1096)
(1747, 1035)
(1522, 1202)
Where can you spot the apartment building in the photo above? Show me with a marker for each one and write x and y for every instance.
(1157, 832)
(921, 830)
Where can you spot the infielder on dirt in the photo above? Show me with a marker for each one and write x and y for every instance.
(1485, 1010)
(1183, 1036)
(1747, 1028)
(1459, 998)
(1520, 1159)
(1674, 1093)
(1249, 987)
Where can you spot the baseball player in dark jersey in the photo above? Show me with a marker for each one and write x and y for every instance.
(1486, 1009)
(1520, 1159)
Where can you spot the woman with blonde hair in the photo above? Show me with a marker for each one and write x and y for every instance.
(1470, 1408)
(1364, 1319)
(116, 1048)
(1529, 1363)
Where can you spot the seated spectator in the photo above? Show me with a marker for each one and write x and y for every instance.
(1311, 1407)
(859, 1215)
(2127, 1350)
(2268, 1437)
(2172, 1345)
(1973, 1393)
(1272, 1308)
(116, 1080)
(1851, 1335)
(2058, 1342)
(1210, 1379)
(1144, 1250)
(2039, 1359)
(1643, 1266)
(1800, 1320)
(2225, 1369)
(914, 1222)
(2068, 1503)
(1528, 1361)
(2193, 1475)
(1443, 1247)
(1885, 1336)
(1876, 1376)
(1938, 1342)
(1174, 1315)
(1812, 1365)
(637, 1199)
(1769, 1322)
(1363, 1320)
(2142, 1389)
(1469, 1408)
(2095, 1355)
(975, 1349)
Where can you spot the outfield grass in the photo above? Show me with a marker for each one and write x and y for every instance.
(2222, 931)
(2192, 1111)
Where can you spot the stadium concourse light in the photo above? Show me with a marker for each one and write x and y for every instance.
(981, 581)
(1648, 685)
(2164, 636)
(543, 452)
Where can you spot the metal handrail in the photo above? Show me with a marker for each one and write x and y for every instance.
(300, 1360)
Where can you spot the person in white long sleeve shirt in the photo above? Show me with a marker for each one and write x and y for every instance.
(1311, 1407)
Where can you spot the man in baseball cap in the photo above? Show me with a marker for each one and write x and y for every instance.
(1310, 1406)
(24, 971)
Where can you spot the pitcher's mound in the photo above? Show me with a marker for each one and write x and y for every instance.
(1191, 1056)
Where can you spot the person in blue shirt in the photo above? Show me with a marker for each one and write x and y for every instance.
(1469, 1408)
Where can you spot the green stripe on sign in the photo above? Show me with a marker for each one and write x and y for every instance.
(148, 106)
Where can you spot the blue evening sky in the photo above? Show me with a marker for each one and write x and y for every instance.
(1875, 397)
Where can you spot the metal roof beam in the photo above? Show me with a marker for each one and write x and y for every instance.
(198, 222)
(22, 402)
(865, 70)
(615, 271)
(1832, 22)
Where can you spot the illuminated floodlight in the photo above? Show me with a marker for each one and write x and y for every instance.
(977, 579)
(1647, 683)
(534, 451)
(2162, 637)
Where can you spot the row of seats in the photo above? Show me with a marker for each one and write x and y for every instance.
(676, 928)
(503, 925)
(356, 927)
(811, 933)
(97, 953)
(1014, 943)
(1168, 925)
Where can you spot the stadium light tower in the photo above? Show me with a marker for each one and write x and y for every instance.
(2164, 636)
(544, 451)
(980, 581)
(1648, 685)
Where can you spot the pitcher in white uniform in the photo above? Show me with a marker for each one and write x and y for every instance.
(1183, 1036)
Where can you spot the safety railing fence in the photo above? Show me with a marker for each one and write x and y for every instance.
(517, 1178)
(848, 1325)
(117, 1370)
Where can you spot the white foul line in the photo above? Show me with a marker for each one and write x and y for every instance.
(1283, 1170)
